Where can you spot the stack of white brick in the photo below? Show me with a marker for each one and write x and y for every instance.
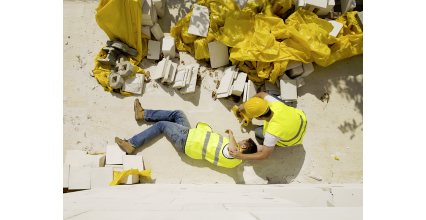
(180, 76)
(160, 7)
(149, 14)
(191, 79)
(166, 70)
(134, 84)
(225, 88)
(199, 21)
(132, 162)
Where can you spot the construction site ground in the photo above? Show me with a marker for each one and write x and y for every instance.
(92, 117)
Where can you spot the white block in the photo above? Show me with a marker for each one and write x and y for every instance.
(92, 161)
(169, 48)
(299, 3)
(172, 72)
(241, 3)
(115, 167)
(79, 178)
(315, 176)
(73, 156)
(146, 30)
(114, 154)
(239, 83)
(134, 84)
(300, 81)
(288, 90)
(132, 162)
(231, 87)
(193, 82)
(199, 21)
(160, 7)
(147, 22)
(284, 76)
(159, 70)
(308, 68)
(325, 11)
(270, 87)
(251, 90)
(295, 72)
(219, 55)
(180, 75)
(226, 81)
(245, 92)
(157, 32)
(293, 64)
(187, 58)
(166, 69)
(146, 10)
(158, 3)
(337, 27)
(317, 3)
(223, 95)
(154, 15)
(101, 177)
(130, 179)
(359, 18)
(66, 175)
(347, 5)
(153, 50)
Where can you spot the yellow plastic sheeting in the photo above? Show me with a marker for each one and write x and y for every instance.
(120, 175)
(121, 20)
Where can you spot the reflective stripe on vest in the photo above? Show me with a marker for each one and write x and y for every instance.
(206, 141)
(218, 147)
(298, 132)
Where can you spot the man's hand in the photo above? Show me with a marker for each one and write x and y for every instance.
(229, 132)
(236, 154)
(241, 108)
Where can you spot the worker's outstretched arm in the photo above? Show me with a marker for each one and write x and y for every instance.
(262, 155)
(232, 143)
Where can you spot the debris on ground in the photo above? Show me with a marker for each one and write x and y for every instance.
(315, 176)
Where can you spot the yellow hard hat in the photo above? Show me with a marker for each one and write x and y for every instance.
(255, 107)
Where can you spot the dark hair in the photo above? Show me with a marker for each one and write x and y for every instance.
(251, 147)
(267, 113)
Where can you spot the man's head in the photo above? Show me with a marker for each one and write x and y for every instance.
(248, 146)
(257, 108)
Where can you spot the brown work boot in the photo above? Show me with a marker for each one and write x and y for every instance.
(139, 111)
(124, 145)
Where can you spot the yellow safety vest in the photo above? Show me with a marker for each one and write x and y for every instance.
(287, 123)
(203, 144)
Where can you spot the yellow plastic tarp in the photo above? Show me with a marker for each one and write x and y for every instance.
(120, 175)
(121, 20)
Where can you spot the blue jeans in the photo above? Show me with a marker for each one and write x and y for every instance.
(258, 132)
(173, 123)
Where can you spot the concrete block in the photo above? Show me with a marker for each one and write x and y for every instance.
(154, 17)
(245, 92)
(219, 55)
(239, 84)
(134, 84)
(172, 72)
(153, 50)
(147, 22)
(226, 81)
(79, 178)
(300, 81)
(92, 161)
(160, 7)
(284, 76)
(66, 174)
(188, 75)
(101, 177)
(180, 75)
(147, 10)
(130, 179)
(125, 69)
(199, 21)
(299, 3)
(252, 90)
(124, 48)
(115, 167)
(308, 68)
(187, 58)
(295, 72)
(169, 48)
(157, 32)
(270, 87)
(193, 80)
(358, 17)
(317, 3)
(288, 90)
(293, 64)
(337, 27)
(347, 5)
(325, 11)
(122, 58)
(133, 162)
(114, 154)
(159, 70)
(166, 69)
(73, 156)
(146, 30)
(109, 60)
(115, 80)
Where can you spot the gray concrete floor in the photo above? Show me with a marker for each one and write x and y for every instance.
(92, 118)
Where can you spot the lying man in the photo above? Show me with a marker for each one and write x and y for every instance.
(198, 143)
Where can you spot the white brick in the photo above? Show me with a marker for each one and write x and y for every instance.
(130, 179)
(347, 5)
(154, 17)
(239, 84)
(166, 69)
(134, 84)
(169, 48)
(160, 6)
(115, 167)
(325, 11)
(92, 161)
(308, 68)
(73, 156)
(299, 3)
(293, 64)
(359, 17)
(251, 90)
(146, 10)
(300, 81)
(187, 58)
(153, 50)
(288, 90)
(79, 178)
(295, 72)
(199, 21)
(245, 92)
(337, 27)
(317, 3)
(172, 73)
(132, 162)
(284, 76)
(101, 177)
(146, 30)
(66, 175)
(157, 32)
(160, 69)
(147, 22)
(193, 81)
(180, 76)
(114, 154)
(225, 82)
(219, 55)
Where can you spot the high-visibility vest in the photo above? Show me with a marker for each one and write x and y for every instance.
(287, 123)
(203, 144)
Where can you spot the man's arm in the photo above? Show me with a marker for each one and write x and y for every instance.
(232, 143)
(264, 154)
